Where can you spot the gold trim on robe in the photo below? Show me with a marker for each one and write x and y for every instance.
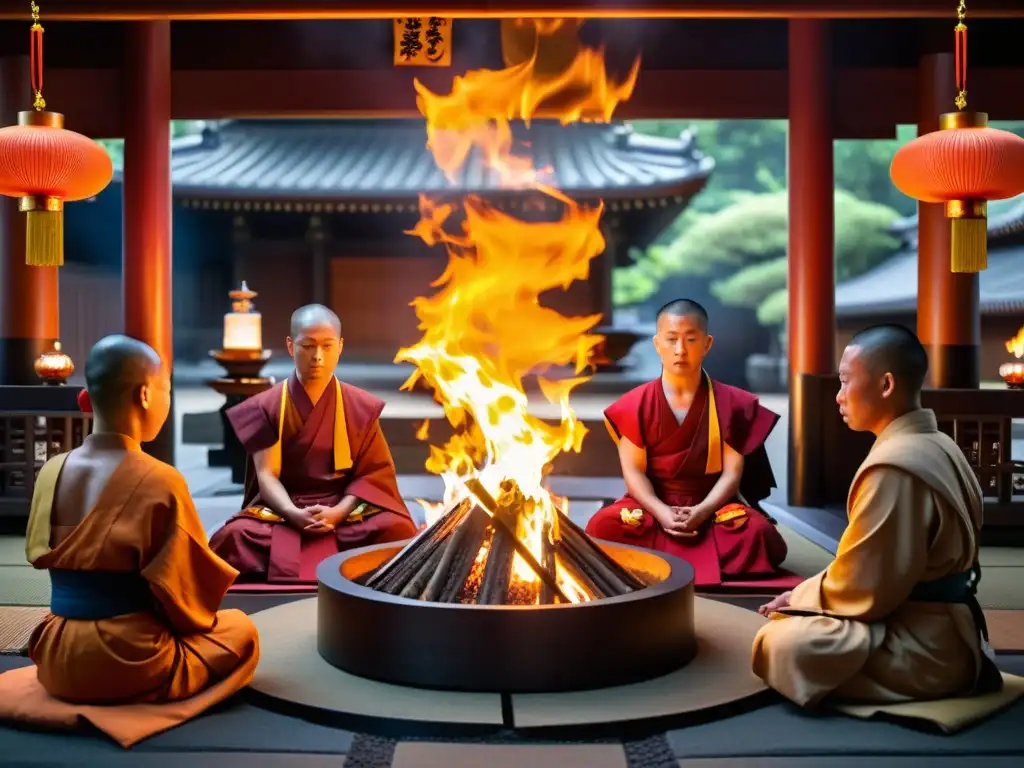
(37, 536)
(714, 463)
(342, 458)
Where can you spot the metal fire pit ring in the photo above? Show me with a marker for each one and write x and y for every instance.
(506, 649)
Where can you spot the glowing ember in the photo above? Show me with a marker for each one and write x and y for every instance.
(485, 329)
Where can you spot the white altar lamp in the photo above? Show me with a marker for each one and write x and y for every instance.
(243, 327)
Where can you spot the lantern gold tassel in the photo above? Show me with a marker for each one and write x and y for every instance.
(44, 236)
(969, 237)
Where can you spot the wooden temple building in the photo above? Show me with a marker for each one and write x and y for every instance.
(834, 68)
(316, 211)
(888, 293)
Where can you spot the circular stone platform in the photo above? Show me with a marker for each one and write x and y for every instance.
(297, 680)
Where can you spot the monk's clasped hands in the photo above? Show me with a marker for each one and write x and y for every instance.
(688, 520)
(317, 518)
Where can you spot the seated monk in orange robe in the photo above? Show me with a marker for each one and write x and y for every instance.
(693, 458)
(321, 478)
(134, 642)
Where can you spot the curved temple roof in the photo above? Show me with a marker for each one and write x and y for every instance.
(388, 159)
(892, 286)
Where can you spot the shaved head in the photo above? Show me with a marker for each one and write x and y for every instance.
(315, 343)
(313, 316)
(682, 341)
(880, 377)
(685, 308)
(116, 366)
(896, 350)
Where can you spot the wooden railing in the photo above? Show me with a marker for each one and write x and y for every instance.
(36, 424)
(979, 420)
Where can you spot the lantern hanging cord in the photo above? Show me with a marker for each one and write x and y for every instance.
(960, 36)
(36, 59)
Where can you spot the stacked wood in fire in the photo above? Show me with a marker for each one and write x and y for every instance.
(468, 555)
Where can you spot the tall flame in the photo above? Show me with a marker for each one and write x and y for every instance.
(484, 328)
(1015, 346)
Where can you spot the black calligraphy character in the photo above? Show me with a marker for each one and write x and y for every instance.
(434, 38)
(411, 45)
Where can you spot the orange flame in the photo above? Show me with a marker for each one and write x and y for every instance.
(1015, 346)
(484, 329)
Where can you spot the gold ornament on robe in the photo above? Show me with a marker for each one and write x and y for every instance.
(262, 513)
(731, 515)
(632, 517)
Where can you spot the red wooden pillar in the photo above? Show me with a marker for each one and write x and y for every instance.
(29, 296)
(146, 276)
(812, 313)
(948, 305)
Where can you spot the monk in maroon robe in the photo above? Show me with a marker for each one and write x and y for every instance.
(321, 477)
(693, 458)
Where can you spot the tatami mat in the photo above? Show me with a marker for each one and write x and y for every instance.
(292, 671)
(1002, 556)
(24, 585)
(777, 735)
(1001, 588)
(805, 558)
(719, 675)
(16, 625)
(12, 550)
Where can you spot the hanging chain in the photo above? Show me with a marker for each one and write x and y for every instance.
(960, 36)
(36, 59)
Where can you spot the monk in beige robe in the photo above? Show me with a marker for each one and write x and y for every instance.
(894, 617)
(134, 619)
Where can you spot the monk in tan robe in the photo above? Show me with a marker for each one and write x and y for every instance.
(894, 618)
(134, 617)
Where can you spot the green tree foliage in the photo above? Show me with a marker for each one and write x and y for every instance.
(742, 249)
(750, 156)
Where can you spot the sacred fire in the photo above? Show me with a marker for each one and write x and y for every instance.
(500, 536)
(1013, 373)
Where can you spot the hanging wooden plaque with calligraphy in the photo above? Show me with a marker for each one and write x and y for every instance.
(423, 41)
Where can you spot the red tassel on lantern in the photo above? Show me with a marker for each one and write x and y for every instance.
(45, 166)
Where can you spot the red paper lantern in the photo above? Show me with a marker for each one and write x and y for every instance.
(964, 164)
(45, 166)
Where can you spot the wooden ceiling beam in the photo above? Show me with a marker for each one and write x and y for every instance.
(190, 10)
(869, 102)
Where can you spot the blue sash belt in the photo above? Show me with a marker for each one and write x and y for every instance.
(954, 588)
(96, 595)
(951, 588)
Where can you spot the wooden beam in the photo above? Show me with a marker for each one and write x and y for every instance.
(186, 10)
(869, 102)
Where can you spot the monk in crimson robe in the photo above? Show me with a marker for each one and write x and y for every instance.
(134, 641)
(894, 618)
(321, 476)
(693, 458)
